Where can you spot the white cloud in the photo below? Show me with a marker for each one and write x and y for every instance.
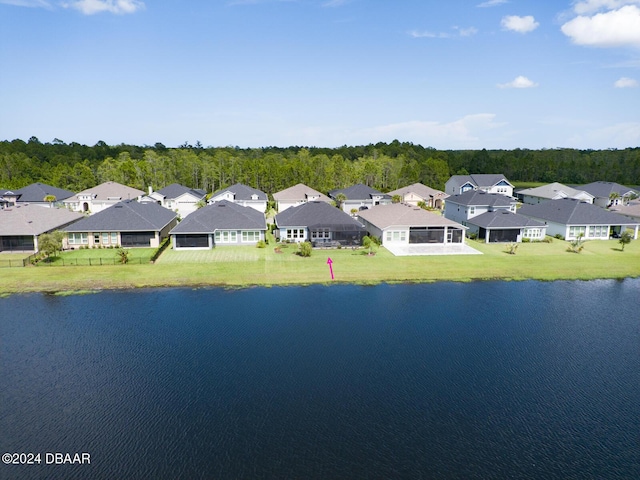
(492, 3)
(615, 28)
(461, 32)
(588, 7)
(91, 7)
(620, 135)
(465, 131)
(518, 82)
(625, 82)
(519, 24)
(27, 3)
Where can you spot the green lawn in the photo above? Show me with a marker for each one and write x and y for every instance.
(245, 266)
(97, 256)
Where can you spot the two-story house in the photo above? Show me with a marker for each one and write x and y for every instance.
(492, 216)
(490, 183)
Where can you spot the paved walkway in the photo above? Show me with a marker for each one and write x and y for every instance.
(432, 249)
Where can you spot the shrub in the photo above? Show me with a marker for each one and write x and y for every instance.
(261, 244)
(559, 237)
(472, 236)
(304, 249)
(526, 240)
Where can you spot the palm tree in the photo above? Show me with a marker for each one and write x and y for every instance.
(613, 196)
(341, 198)
(49, 198)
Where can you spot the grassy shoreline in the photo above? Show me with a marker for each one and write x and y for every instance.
(242, 267)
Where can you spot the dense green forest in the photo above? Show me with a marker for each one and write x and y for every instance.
(382, 166)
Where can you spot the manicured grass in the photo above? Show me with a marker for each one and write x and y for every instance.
(247, 266)
(97, 256)
(12, 259)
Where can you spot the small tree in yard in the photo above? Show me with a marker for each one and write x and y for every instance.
(625, 238)
(576, 245)
(304, 249)
(50, 243)
(122, 255)
(370, 243)
(511, 248)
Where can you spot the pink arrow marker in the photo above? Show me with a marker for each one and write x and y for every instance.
(330, 263)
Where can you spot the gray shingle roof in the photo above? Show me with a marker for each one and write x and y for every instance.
(222, 215)
(127, 216)
(552, 191)
(34, 219)
(242, 192)
(401, 214)
(37, 191)
(504, 219)
(316, 215)
(569, 211)
(604, 189)
(175, 190)
(480, 198)
(357, 192)
(480, 179)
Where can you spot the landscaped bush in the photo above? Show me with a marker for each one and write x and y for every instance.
(261, 244)
(472, 236)
(305, 249)
(526, 240)
(559, 237)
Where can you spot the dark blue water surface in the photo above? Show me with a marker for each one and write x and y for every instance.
(478, 380)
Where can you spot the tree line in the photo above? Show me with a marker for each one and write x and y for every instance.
(383, 166)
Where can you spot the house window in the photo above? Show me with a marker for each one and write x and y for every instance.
(96, 238)
(320, 234)
(598, 231)
(226, 236)
(114, 238)
(105, 238)
(533, 233)
(295, 233)
(575, 232)
(396, 236)
(250, 236)
(78, 238)
(472, 210)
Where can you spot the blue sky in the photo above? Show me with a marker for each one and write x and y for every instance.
(452, 74)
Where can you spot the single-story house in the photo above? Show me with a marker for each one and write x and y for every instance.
(417, 192)
(126, 224)
(490, 183)
(463, 207)
(608, 194)
(320, 223)
(36, 193)
(408, 224)
(631, 209)
(96, 199)
(572, 218)
(218, 224)
(242, 195)
(506, 226)
(552, 191)
(358, 197)
(182, 200)
(21, 225)
(297, 195)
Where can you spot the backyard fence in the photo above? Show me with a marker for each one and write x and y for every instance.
(17, 262)
(90, 262)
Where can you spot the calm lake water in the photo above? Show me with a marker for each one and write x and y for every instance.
(479, 380)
